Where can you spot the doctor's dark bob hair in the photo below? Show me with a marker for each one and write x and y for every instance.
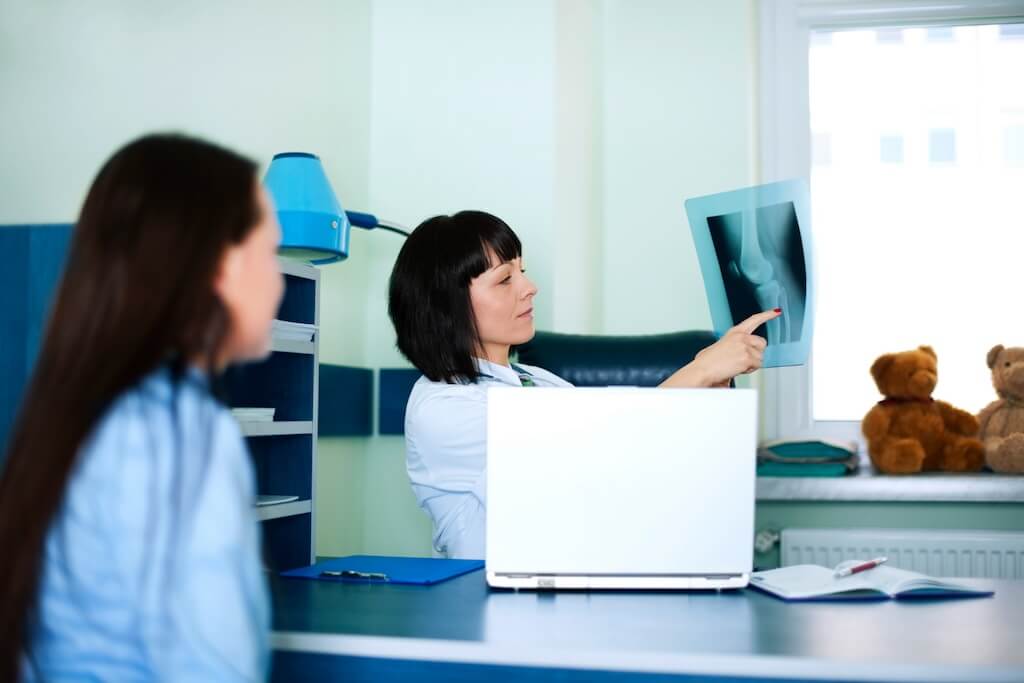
(428, 297)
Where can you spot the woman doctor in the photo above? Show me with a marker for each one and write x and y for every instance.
(459, 299)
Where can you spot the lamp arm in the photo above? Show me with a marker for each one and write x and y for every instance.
(393, 227)
(368, 221)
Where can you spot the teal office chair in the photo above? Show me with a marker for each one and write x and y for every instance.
(604, 360)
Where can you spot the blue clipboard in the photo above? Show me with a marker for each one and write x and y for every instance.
(422, 571)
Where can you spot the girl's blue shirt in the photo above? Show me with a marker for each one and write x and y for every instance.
(152, 567)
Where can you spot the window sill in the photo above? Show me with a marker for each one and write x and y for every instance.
(867, 485)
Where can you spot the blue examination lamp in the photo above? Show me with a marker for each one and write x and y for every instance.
(314, 227)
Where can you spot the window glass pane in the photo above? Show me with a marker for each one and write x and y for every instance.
(1015, 145)
(821, 149)
(919, 213)
(942, 145)
(821, 38)
(940, 34)
(1011, 31)
(889, 35)
(891, 149)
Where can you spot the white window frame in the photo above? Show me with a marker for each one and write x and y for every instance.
(785, 142)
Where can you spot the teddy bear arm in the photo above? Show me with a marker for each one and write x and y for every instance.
(876, 424)
(958, 421)
(984, 416)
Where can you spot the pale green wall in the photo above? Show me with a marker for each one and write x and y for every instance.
(678, 122)
(80, 79)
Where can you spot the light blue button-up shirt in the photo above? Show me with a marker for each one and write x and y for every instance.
(152, 567)
(446, 453)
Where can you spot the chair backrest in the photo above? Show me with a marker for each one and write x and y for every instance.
(602, 360)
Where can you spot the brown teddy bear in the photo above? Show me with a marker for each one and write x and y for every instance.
(1002, 421)
(909, 431)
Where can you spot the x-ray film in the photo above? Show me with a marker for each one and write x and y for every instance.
(755, 252)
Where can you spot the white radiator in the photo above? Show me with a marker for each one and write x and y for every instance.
(988, 554)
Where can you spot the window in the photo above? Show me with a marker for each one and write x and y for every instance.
(940, 34)
(821, 38)
(890, 149)
(888, 36)
(821, 149)
(942, 146)
(1011, 31)
(913, 217)
(1014, 145)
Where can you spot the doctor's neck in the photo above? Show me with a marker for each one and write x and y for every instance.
(495, 353)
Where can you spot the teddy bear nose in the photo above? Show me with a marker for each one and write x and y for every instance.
(1016, 373)
(924, 380)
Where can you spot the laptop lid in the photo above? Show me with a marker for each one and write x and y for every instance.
(620, 481)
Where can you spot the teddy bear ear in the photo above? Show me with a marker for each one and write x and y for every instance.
(882, 364)
(993, 354)
(927, 349)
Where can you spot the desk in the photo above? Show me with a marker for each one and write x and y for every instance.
(460, 630)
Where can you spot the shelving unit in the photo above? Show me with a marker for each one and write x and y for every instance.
(284, 450)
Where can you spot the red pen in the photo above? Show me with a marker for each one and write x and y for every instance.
(862, 567)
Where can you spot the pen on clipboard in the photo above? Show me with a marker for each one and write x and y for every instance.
(862, 567)
(352, 574)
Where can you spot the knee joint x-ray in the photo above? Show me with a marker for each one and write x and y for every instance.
(754, 251)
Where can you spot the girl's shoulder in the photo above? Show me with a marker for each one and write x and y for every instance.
(150, 425)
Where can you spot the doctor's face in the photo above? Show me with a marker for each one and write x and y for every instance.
(502, 299)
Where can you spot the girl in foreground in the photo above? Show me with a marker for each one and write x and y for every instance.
(131, 549)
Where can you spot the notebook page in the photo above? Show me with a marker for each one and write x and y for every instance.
(896, 581)
(810, 580)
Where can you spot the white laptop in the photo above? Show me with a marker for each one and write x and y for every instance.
(620, 488)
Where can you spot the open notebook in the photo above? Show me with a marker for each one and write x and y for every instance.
(813, 582)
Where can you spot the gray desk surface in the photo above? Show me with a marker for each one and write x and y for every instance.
(742, 633)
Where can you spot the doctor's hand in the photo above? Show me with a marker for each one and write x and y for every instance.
(738, 352)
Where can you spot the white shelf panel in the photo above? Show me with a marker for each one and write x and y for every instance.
(276, 428)
(289, 346)
(296, 507)
(298, 269)
(313, 327)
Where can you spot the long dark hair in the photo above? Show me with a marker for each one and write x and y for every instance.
(428, 298)
(137, 293)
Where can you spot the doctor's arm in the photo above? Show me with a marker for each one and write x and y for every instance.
(738, 352)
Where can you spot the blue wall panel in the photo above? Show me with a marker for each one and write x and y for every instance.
(31, 261)
(346, 401)
(395, 387)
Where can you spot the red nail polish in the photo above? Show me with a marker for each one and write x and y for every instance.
(778, 310)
